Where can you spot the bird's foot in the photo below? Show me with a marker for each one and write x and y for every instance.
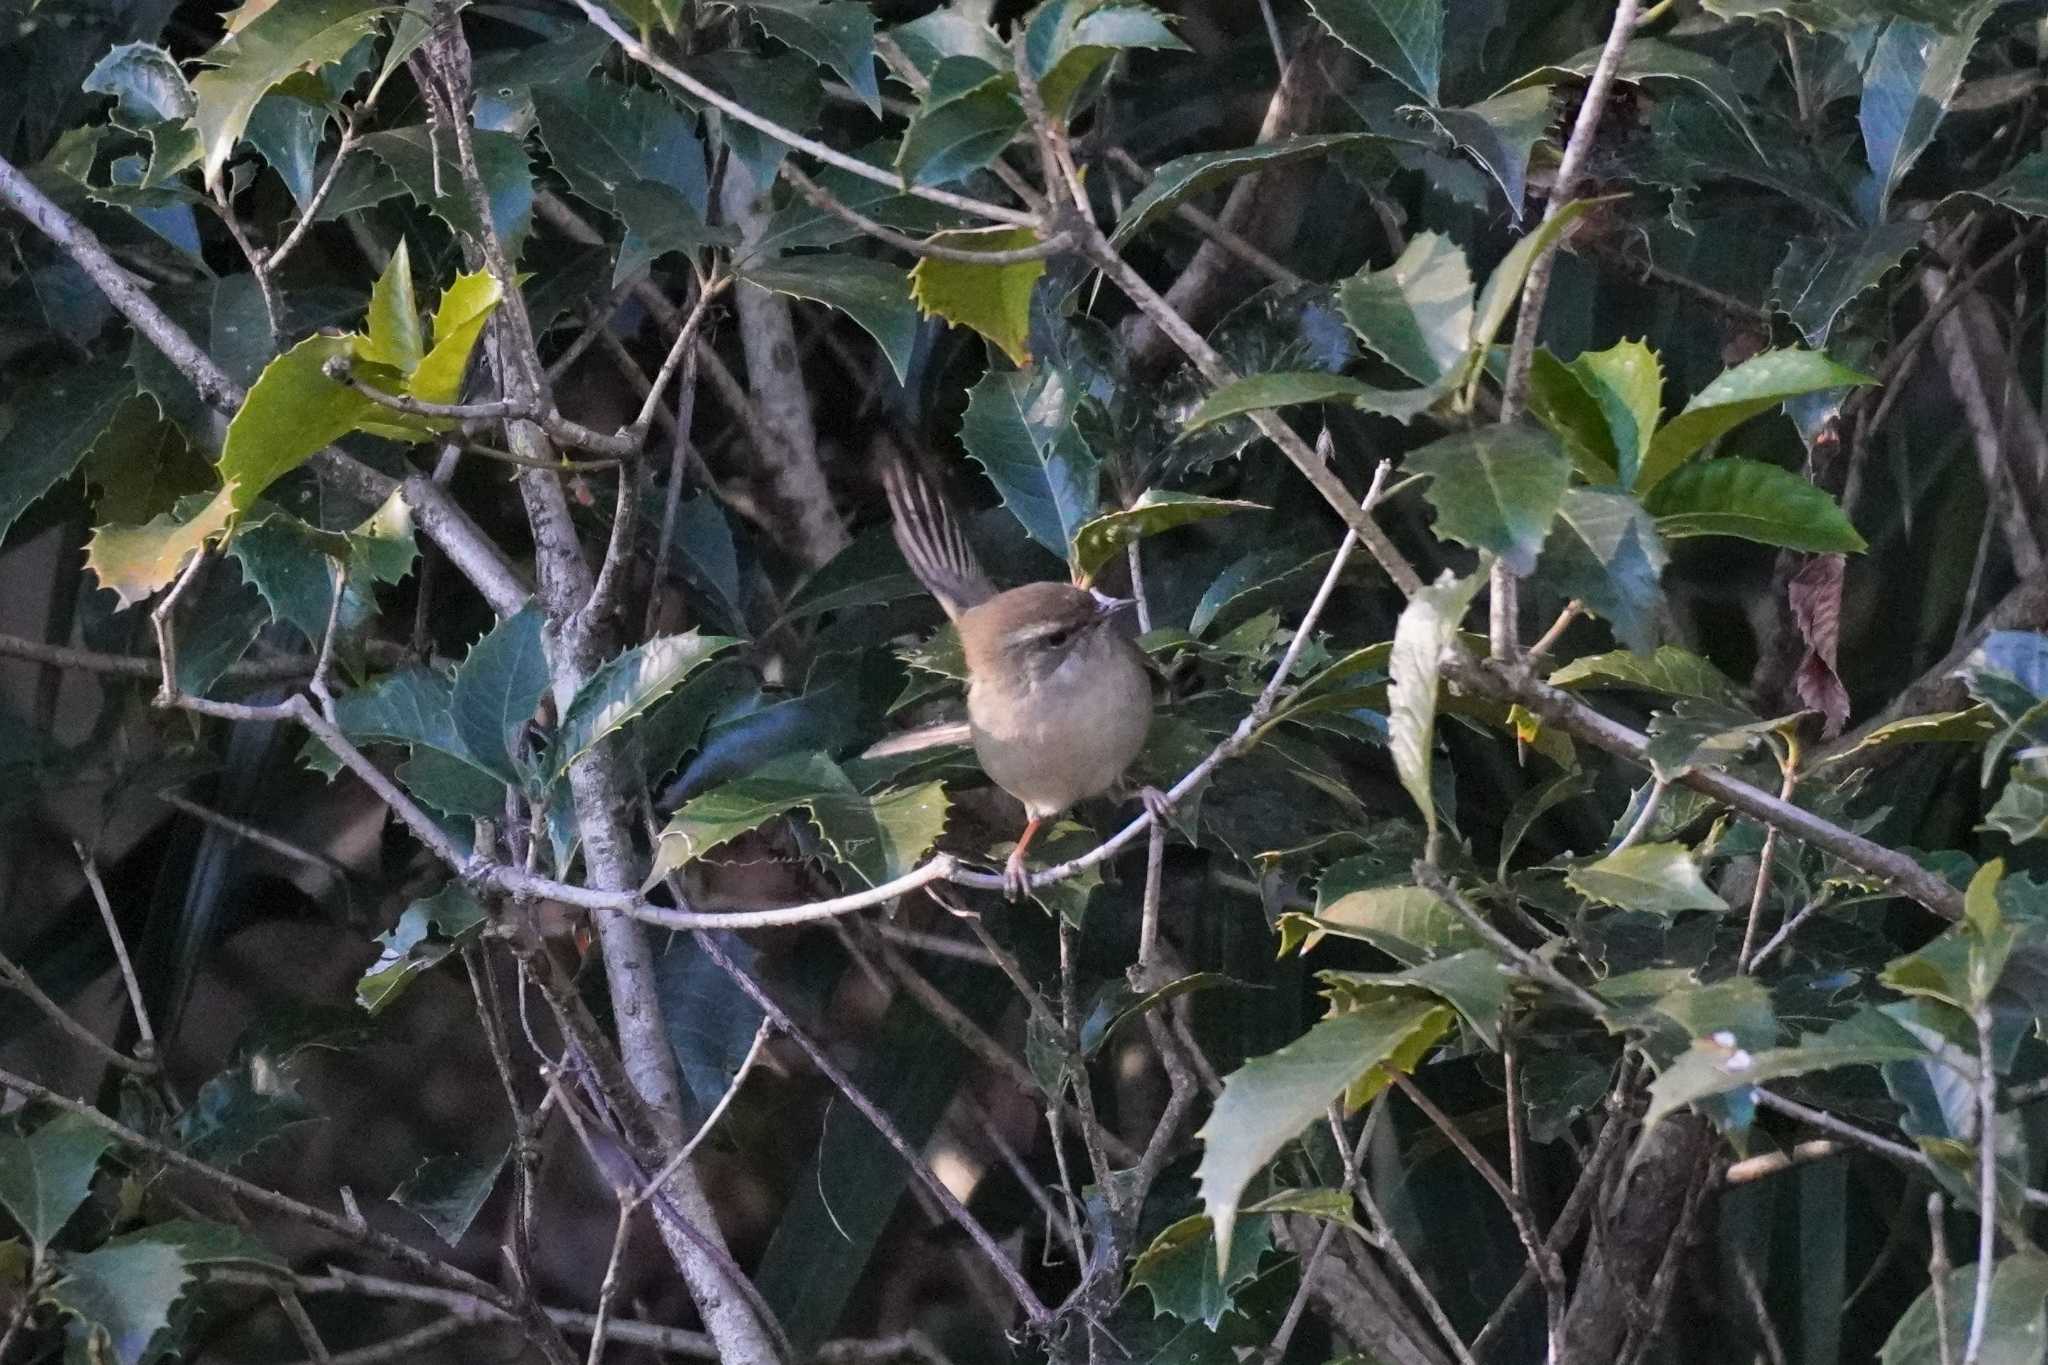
(1157, 804)
(1016, 876)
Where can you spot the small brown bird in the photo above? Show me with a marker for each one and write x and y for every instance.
(1057, 700)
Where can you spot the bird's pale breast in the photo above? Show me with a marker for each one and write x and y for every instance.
(1071, 736)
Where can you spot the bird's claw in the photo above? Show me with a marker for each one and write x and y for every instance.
(1157, 804)
(1016, 877)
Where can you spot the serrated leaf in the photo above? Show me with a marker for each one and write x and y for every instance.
(1067, 42)
(1495, 488)
(1698, 733)
(1753, 501)
(449, 1191)
(875, 294)
(1736, 395)
(147, 86)
(47, 1174)
(880, 837)
(1284, 388)
(1671, 671)
(123, 1291)
(1020, 428)
(1187, 1279)
(623, 688)
(286, 128)
(427, 932)
(1187, 176)
(1428, 625)
(1661, 879)
(994, 300)
(412, 155)
(56, 423)
(1098, 540)
(137, 561)
(1967, 726)
(1417, 313)
(1907, 85)
(293, 35)
(602, 135)
(1499, 133)
(293, 410)
(295, 567)
(1627, 384)
(968, 117)
(2021, 811)
(497, 689)
(835, 33)
(1404, 38)
(1268, 1101)
(1606, 553)
(459, 318)
(233, 1117)
(1822, 275)
(1470, 982)
(1654, 62)
(2014, 1327)
(1560, 400)
(392, 329)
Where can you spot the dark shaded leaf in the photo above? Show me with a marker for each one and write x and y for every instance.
(1495, 488)
(450, 1191)
(496, 690)
(47, 1174)
(1020, 427)
(1181, 1270)
(1404, 38)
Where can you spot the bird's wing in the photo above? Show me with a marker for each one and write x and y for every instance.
(932, 543)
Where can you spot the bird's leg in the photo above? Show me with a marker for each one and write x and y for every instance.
(1157, 804)
(1015, 877)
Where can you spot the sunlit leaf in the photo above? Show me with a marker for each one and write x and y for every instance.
(994, 300)
(1427, 627)
(1268, 1101)
(1156, 510)
(1660, 878)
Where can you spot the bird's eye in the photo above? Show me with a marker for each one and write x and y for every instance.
(1057, 638)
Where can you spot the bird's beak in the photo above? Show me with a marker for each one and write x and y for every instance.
(1107, 606)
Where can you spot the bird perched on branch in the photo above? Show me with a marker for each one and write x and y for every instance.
(1058, 702)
